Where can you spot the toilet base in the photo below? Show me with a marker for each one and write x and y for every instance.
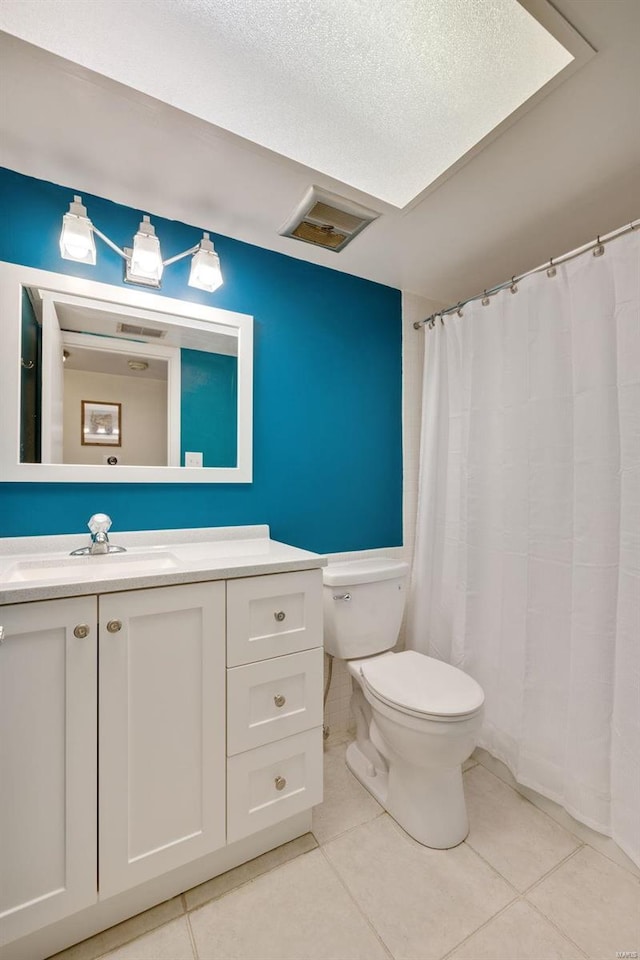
(432, 811)
(375, 781)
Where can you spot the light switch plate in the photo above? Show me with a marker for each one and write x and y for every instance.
(192, 459)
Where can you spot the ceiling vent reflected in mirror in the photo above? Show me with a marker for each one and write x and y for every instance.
(137, 331)
(327, 220)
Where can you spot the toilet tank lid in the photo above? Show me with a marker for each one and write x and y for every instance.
(368, 570)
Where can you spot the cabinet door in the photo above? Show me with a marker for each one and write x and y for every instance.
(48, 844)
(162, 722)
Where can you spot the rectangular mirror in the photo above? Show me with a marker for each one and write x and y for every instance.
(107, 384)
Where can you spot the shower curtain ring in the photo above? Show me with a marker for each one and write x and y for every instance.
(599, 250)
(514, 286)
(551, 272)
(486, 300)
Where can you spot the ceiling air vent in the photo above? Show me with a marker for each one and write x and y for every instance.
(136, 331)
(327, 220)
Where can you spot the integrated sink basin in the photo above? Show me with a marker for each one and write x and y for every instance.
(41, 568)
(72, 569)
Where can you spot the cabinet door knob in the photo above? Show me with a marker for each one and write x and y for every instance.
(280, 783)
(114, 625)
(1, 634)
(279, 700)
(81, 631)
(280, 615)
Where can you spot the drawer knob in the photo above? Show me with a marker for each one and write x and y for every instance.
(81, 631)
(114, 625)
(280, 783)
(279, 700)
(280, 615)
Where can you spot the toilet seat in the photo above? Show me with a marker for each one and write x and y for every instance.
(422, 686)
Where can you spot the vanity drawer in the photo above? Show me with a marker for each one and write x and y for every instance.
(273, 615)
(273, 699)
(270, 783)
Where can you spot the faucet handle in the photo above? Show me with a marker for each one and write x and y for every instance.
(99, 523)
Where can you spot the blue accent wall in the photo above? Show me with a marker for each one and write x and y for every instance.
(209, 407)
(327, 389)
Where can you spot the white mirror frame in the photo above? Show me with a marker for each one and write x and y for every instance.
(13, 277)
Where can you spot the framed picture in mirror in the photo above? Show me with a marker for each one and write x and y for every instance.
(101, 424)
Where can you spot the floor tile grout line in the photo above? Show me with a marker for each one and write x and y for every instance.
(556, 926)
(338, 836)
(534, 883)
(245, 883)
(495, 870)
(549, 873)
(192, 938)
(516, 893)
(484, 924)
(632, 872)
(526, 799)
(359, 909)
(567, 828)
(126, 943)
(519, 899)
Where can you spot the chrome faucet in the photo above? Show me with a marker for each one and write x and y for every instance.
(99, 525)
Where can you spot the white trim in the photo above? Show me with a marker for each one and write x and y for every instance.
(52, 396)
(139, 304)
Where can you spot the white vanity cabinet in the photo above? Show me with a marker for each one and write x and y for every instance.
(48, 757)
(150, 739)
(161, 730)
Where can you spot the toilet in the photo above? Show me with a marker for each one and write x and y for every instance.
(417, 718)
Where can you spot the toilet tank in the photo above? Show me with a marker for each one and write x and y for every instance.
(363, 606)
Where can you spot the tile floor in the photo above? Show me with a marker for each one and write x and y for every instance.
(527, 884)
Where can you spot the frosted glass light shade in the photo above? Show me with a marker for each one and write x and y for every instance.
(146, 259)
(205, 271)
(76, 237)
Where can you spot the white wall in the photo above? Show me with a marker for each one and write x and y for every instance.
(144, 417)
(337, 711)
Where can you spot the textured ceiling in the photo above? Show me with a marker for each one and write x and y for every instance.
(382, 96)
(566, 170)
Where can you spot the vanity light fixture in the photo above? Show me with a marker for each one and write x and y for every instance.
(143, 261)
(205, 273)
(76, 238)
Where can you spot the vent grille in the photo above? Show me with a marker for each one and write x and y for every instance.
(327, 220)
(136, 331)
(324, 236)
(323, 213)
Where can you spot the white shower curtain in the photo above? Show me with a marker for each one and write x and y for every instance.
(527, 564)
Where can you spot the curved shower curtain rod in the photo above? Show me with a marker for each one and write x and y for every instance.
(550, 266)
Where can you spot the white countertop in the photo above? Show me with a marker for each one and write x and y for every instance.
(41, 568)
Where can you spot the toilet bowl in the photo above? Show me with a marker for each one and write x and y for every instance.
(417, 718)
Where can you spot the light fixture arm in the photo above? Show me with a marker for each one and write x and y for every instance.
(127, 256)
(109, 243)
(181, 256)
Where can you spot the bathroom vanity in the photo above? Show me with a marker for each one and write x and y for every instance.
(161, 721)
